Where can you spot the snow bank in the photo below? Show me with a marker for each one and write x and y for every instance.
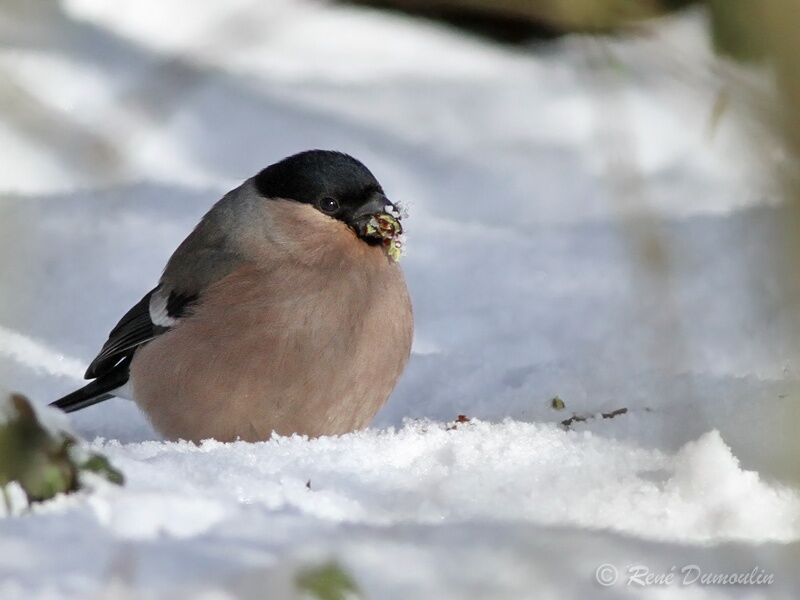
(427, 473)
(225, 515)
(37, 356)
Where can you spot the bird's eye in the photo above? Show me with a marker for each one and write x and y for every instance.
(329, 205)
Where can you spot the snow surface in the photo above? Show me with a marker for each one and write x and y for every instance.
(527, 265)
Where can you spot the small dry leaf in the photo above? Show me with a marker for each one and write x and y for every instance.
(390, 231)
(459, 420)
(576, 418)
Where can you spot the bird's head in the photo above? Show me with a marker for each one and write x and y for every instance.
(340, 187)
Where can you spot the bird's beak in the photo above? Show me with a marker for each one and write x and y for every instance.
(378, 211)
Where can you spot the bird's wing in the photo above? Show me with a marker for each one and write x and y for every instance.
(202, 259)
(154, 314)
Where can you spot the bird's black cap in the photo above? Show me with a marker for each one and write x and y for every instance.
(313, 175)
(335, 183)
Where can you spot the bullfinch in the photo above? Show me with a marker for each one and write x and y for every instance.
(284, 311)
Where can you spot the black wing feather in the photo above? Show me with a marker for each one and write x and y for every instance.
(110, 369)
(133, 330)
(97, 390)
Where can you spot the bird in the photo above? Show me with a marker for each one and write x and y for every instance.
(284, 311)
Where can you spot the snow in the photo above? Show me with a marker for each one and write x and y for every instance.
(427, 474)
(37, 356)
(533, 272)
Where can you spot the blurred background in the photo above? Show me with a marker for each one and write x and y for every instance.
(602, 195)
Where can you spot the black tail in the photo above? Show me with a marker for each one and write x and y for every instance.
(95, 391)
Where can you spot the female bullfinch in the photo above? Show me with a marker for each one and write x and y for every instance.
(283, 311)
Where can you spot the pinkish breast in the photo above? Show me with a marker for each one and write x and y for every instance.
(289, 348)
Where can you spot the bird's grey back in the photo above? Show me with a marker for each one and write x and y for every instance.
(214, 248)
